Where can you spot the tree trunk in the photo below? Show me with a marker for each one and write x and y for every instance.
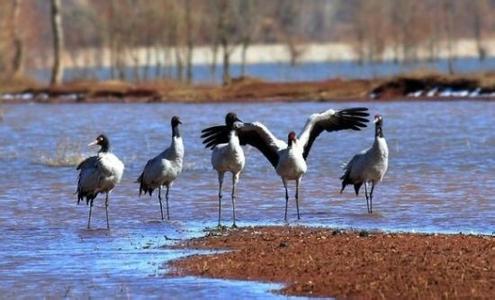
(226, 64)
(213, 65)
(120, 63)
(18, 59)
(432, 52)
(167, 62)
(223, 37)
(147, 62)
(158, 65)
(137, 64)
(99, 61)
(113, 60)
(245, 46)
(189, 42)
(477, 33)
(179, 64)
(292, 52)
(58, 42)
(449, 24)
(361, 52)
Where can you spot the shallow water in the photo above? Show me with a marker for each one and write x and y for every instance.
(440, 179)
(300, 72)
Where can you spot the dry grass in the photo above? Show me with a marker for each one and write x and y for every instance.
(16, 84)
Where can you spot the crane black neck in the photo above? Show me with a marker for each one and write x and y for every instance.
(379, 129)
(105, 147)
(175, 131)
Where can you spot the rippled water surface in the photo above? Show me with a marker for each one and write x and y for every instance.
(441, 179)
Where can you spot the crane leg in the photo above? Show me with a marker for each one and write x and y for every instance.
(89, 217)
(220, 182)
(106, 210)
(235, 179)
(160, 199)
(371, 196)
(166, 200)
(298, 182)
(286, 198)
(366, 195)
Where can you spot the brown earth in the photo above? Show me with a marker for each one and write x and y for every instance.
(251, 89)
(349, 264)
(241, 89)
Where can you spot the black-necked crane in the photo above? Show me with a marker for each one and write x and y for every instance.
(227, 156)
(164, 168)
(99, 174)
(368, 166)
(288, 159)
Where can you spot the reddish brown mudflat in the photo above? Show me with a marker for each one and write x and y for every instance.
(349, 264)
(414, 86)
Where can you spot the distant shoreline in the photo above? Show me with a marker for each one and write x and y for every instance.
(347, 264)
(424, 87)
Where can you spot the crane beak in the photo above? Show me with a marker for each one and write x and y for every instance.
(95, 142)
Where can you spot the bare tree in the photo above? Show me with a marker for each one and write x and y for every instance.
(368, 31)
(189, 41)
(432, 11)
(226, 35)
(448, 23)
(18, 59)
(288, 24)
(170, 30)
(58, 42)
(3, 46)
(249, 17)
(208, 32)
(360, 33)
(478, 10)
(175, 40)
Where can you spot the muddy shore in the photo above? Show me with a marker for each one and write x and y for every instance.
(410, 87)
(349, 264)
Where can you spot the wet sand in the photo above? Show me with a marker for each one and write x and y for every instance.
(349, 264)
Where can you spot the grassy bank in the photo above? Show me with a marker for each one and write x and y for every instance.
(349, 264)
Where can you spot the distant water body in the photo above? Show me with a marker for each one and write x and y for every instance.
(300, 72)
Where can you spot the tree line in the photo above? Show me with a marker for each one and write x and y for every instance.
(42, 30)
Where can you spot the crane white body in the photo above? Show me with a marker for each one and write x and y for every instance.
(369, 166)
(99, 174)
(163, 169)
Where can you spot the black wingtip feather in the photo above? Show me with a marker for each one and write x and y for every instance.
(214, 135)
(214, 128)
(354, 118)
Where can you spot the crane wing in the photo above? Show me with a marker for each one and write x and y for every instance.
(331, 120)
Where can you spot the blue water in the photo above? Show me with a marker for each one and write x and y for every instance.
(441, 179)
(300, 72)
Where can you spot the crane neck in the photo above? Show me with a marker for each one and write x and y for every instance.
(378, 130)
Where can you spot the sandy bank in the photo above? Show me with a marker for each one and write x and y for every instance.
(348, 264)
